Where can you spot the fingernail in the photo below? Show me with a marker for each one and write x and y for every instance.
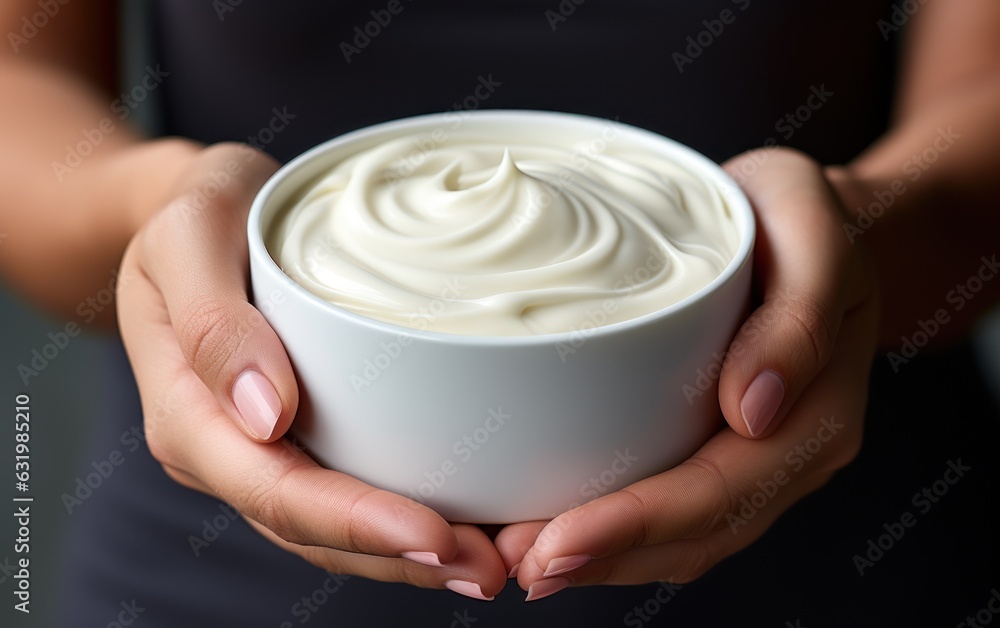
(761, 401)
(514, 570)
(258, 403)
(468, 589)
(568, 563)
(424, 558)
(545, 588)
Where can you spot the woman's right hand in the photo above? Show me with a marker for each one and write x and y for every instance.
(218, 393)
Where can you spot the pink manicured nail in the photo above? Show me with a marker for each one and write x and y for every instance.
(761, 401)
(258, 403)
(545, 588)
(514, 570)
(424, 558)
(568, 563)
(468, 589)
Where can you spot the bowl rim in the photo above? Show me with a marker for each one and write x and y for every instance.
(737, 202)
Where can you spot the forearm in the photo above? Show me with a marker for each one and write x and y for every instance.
(923, 199)
(78, 182)
(924, 204)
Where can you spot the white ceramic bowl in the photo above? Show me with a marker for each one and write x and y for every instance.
(500, 429)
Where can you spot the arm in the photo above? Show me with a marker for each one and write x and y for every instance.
(932, 236)
(66, 230)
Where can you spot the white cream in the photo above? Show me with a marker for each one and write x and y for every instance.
(503, 235)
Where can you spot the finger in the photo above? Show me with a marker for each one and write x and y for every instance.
(676, 562)
(275, 483)
(476, 571)
(730, 479)
(195, 251)
(688, 501)
(279, 486)
(802, 261)
(514, 541)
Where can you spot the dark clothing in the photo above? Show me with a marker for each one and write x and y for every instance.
(609, 58)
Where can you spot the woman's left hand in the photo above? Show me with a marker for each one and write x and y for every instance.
(793, 390)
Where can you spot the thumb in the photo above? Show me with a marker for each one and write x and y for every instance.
(195, 251)
(801, 263)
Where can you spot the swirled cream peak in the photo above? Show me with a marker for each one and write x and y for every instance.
(487, 234)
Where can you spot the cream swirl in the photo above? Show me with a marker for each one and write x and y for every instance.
(485, 235)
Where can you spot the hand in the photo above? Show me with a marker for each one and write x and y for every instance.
(793, 390)
(218, 392)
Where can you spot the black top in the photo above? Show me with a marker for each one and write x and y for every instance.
(720, 75)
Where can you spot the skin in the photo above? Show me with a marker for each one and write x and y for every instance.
(184, 317)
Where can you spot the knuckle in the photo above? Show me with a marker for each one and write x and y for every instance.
(813, 324)
(720, 500)
(407, 571)
(638, 530)
(359, 528)
(209, 336)
(265, 503)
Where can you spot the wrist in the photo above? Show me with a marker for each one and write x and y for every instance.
(144, 176)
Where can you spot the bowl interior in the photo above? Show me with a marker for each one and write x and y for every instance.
(519, 126)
